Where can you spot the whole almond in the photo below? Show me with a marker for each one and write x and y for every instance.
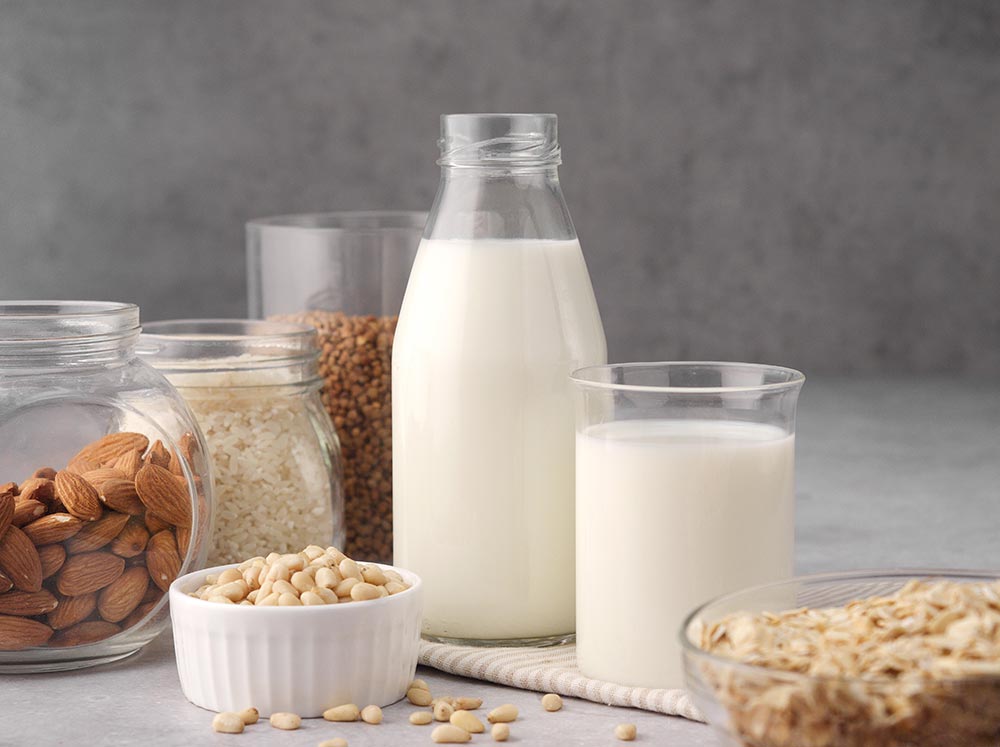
(160, 491)
(46, 473)
(129, 463)
(10, 487)
(96, 534)
(132, 539)
(79, 496)
(79, 466)
(183, 537)
(84, 633)
(6, 511)
(39, 489)
(175, 465)
(154, 523)
(20, 632)
(121, 496)
(158, 455)
(19, 560)
(139, 613)
(88, 572)
(118, 600)
(72, 610)
(162, 559)
(112, 446)
(52, 557)
(97, 477)
(26, 511)
(5, 583)
(27, 603)
(52, 528)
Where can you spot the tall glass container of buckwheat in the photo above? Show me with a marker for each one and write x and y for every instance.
(253, 387)
(105, 491)
(344, 273)
(498, 312)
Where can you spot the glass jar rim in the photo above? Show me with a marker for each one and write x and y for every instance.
(351, 221)
(647, 377)
(499, 140)
(55, 321)
(221, 345)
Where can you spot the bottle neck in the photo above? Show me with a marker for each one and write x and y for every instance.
(499, 201)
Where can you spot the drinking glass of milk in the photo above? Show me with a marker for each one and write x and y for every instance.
(498, 311)
(684, 491)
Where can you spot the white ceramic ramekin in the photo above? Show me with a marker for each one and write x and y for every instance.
(298, 659)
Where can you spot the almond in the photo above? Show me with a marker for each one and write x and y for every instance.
(112, 446)
(52, 528)
(183, 537)
(162, 559)
(20, 632)
(72, 610)
(52, 557)
(10, 487)
(19, 560)
(163, 495)
(97, 477)
(153, 594)
(117, 601)
(27, 603)
(88, 572)
(84, 633)
(131, 541)
(79, 466)
(46, 473)
(39, 489)
(121, 496)
(129, 463)
(175, 465)
(97, 534)
(79, 496)
(158, 455)
(5, 583)
(154, 523)
(6, 511)
(26, 511)
(140, 612)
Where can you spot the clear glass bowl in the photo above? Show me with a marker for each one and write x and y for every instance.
(85, 562)
(754, 706)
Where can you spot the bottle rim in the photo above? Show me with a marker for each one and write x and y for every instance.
(492, 140)
(54, 326)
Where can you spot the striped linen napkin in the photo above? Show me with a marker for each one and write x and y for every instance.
(550, 669)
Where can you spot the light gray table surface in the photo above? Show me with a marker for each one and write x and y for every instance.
(890, 473)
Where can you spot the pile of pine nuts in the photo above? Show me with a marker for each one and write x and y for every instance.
(311, 577)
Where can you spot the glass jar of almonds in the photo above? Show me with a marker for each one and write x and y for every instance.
(105, 491)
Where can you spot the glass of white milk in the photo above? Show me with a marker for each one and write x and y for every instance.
(684, 491)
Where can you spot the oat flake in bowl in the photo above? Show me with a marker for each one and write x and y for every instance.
(886, 659)
(254, 390)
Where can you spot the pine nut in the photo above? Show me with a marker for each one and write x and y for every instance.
(500, 732)
(349, 569)
(293, 562)
(363, 592)
(443, 710)
(335, 742)
(286, 721)
(371, 714)
(234, 590)
(551, 702)
(344, 587)
(230, 574)
(278, 572)
(328, 578)
(346, 712)
(219, 599)
(467, 704)
(284, 587)
(250, 716)
(625, 732)
(416, 695)
(313, 551)
(227, 722)
(311, 599)
(420, 718)
(450, 734)
(420, 685)
(289, 600)
(394, 587)
(271, 600)
(465, 720)
(325, 594)
(302, 581)
(502, 714)
(373, 575)
(252, 596)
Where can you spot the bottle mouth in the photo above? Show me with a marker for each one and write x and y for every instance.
(499, 140)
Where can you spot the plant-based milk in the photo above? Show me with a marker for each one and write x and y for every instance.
(483, 430)
(671, 513)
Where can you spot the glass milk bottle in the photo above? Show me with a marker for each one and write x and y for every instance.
(499, 310)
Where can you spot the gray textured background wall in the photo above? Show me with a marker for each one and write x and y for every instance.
(813, 183)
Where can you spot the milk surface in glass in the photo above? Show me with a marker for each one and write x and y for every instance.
(483, 432)
(669, 514)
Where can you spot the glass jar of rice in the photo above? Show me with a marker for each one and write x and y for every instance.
(253, 387)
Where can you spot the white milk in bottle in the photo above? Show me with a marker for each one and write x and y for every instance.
(499, 310)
